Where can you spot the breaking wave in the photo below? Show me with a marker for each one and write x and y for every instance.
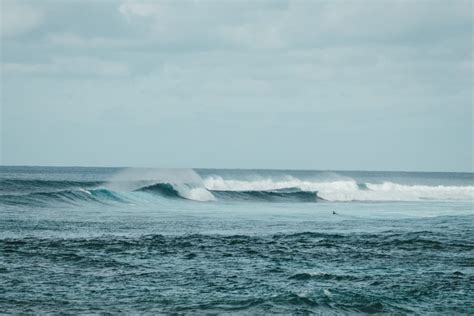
(105, 196)
(187, 185)
(345, 190)
(185, 191)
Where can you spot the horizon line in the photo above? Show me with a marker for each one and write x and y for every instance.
(233, 168)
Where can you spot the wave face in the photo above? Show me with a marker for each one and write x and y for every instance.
(278, 195)
(130, 186)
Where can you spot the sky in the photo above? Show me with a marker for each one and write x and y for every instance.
(326, 85)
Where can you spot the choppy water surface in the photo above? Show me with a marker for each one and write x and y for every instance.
(87, 240)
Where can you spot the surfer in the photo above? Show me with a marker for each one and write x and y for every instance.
(334, 213)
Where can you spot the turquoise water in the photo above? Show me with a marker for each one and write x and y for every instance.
(89, 240)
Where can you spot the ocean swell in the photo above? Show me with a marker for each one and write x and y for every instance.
(71, 197)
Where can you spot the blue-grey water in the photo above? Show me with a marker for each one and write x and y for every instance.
(93, 240)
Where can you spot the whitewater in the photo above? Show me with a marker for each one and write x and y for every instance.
(142, 240)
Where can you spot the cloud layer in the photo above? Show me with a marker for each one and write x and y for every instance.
(280, 84)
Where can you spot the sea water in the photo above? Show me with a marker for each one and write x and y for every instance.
(122, 240)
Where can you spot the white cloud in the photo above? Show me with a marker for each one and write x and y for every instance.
(258, 25)
(130, 8)
(309, 64)
(77, 41)
(18, 18)
(68, 66)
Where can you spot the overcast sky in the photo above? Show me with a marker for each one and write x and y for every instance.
(365, 85)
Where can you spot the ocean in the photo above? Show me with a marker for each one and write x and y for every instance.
(203, 241)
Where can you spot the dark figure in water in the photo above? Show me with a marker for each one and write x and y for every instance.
(334, 213)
